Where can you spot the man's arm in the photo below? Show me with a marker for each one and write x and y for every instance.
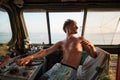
(89, 47)
(41, 53)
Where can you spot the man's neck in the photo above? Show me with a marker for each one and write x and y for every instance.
(70, 36)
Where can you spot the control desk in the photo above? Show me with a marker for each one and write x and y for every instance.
(11, 71)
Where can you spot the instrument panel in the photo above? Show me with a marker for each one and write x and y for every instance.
(11, 71)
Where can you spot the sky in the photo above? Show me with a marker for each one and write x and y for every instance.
(56, 20)
(99, 21)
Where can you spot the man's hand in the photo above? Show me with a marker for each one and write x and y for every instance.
(24, 61)
(89, 47)
(84, 41)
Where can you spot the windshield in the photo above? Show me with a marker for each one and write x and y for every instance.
(103, 28)
(5, 27)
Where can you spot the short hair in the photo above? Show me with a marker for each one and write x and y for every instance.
(66, 23)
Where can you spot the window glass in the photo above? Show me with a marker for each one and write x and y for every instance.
(36, 24)
(5, 27)
(57, 20)
(103, 27)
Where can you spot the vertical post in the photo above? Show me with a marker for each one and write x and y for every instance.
(118, 68)
(118, 60)
(48, 24)
(84, 22)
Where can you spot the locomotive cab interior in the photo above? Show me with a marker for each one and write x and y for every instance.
(28, 26)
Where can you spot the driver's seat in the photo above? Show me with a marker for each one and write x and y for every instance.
(95, 69)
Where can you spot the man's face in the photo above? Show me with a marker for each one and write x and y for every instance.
(73, 28)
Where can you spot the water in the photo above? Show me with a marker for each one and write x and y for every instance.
(43, 37)
(5, 37)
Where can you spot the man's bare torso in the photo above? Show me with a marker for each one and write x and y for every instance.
(72, 51)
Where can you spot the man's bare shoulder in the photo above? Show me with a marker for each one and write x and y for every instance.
(80, 38)
(57, 45)
(59, 42)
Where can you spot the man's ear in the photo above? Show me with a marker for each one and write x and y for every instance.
(66, 29)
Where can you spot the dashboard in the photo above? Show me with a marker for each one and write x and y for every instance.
(9, 70)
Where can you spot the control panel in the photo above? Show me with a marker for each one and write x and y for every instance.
(11, 71)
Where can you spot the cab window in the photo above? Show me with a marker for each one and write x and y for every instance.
(36, 26)
(5, 27)
(103, 27)
(36, 23)
(57, 20)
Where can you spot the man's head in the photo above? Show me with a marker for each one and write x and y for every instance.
(70, 25)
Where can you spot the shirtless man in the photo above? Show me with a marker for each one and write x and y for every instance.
(72, 48)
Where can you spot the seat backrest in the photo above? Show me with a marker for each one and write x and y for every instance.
(84, 56)
(94, 68)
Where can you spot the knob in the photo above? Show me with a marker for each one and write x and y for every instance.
(25, 73)
(14, 70)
